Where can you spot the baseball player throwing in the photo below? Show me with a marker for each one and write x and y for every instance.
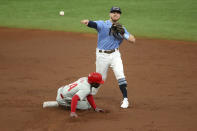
(77, 95)
(110, 36)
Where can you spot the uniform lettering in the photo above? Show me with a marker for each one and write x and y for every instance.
(72, 86)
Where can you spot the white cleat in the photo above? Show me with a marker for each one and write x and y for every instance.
(125, 103)
(50, 104)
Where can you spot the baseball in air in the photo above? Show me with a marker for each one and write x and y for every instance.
(62, 13)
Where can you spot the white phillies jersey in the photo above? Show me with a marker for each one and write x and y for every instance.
(81, 87)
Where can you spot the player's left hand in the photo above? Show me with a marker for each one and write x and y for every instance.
(99, 110)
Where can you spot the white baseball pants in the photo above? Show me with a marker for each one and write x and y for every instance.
(104, 61)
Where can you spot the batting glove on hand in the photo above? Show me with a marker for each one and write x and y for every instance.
(99, 110)
(73, 115)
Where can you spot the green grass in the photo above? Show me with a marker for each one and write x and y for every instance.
(166, 19)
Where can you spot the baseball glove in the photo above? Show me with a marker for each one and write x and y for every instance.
(117, 31)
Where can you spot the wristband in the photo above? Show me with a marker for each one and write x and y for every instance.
(126, 36)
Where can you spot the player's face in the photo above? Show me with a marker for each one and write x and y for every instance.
(114, 16)
(95, 85)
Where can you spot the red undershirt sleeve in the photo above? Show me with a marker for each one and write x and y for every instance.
(91, 101)
(74, 103)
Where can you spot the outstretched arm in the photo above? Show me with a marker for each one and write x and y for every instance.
(89, 23)
(74, 105)
(92, 103)
(131, 39)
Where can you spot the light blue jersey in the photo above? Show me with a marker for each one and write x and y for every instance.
(106, 41)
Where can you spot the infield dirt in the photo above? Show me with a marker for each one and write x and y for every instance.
(161, 75)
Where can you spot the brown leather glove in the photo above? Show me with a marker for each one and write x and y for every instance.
(117, 30)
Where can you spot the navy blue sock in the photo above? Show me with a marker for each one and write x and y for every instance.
(123, 90)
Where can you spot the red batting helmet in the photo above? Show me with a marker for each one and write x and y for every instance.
(95, 77)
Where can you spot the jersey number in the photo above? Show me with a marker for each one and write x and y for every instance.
(72, 86)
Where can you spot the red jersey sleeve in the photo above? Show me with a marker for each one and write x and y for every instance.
(91, 101)
(74, 103)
